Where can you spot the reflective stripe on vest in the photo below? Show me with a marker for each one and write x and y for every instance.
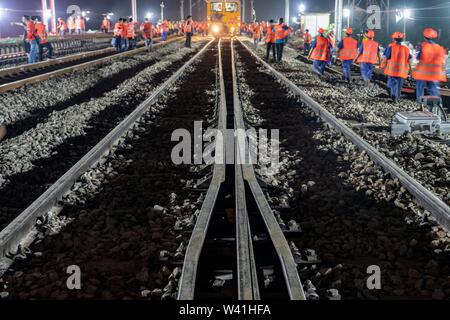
(370, 52)
(432, 63)
(398, 64)
(279, 32)
(350, 49)
(40, 32)
(322, 50)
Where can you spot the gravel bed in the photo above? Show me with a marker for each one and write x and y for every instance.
(126, 223)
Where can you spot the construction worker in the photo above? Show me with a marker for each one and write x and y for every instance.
(256, 34)
(347, 52)
(79, 24)
(118, 30)
(147, 34)
(320, 52)
(270, 41)
(397, 65)
(61, 27)
(131, 34)
(31, 40)
(71, 24)
(307, 41)
(42, 37)
(106, 25)
(124, 35)
(281, 34)
(188, 31)
(164, 30)
(431, 68)
(368, 56)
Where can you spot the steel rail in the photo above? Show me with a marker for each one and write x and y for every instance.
(438, 209)
(45, 76)
(288, 265)
(194, 249)
(18, 230)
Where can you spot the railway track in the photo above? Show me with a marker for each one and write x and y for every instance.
(16, 77)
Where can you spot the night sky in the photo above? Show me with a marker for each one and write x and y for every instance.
(265, 9)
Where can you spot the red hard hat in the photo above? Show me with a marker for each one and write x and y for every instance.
(321, 30)
(349, 31)
(370, 34)
(430, 33)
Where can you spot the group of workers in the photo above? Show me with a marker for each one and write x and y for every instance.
(36, 39)
(74, 25)
(395, 61)
(125, 32)
(276, 35)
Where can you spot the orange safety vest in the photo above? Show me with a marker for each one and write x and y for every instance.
(105, 24)
(118, 27)
(188, 27)
(431, 66)
(40, 32)
(270, 37)
(62, 25)
(350, 49)
(79, 23)
(398, 64)
(131, 34)
(370, 52)
(147, 30)
(71, 23)
(31, 30)
(257, 32)
(321, 51)
(124, 31)
(308, 37)
(280, 33)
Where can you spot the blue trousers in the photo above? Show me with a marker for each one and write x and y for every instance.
(432, 87)
(346, 64)
(395, 85)
(164, 36)
(319, 66)
(125, 44)
(34, 49)
(366, 71)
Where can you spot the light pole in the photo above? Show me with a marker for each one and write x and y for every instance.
(347, 15)
(286, 11)
(162, 11)
(301, 10)
(182, 9)
(134, 10)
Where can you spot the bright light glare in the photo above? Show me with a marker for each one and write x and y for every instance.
(294, 19)
(216, 28)
(301, 8)
(407, 13)
(346, 13)
(149, 15)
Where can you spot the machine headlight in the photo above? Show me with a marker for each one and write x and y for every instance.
(215, 29)
(232, 29)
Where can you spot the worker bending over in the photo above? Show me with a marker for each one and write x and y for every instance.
(320, 52)
(42, 38)
(368, 56)
(431, 68)
(270, 41)
(347, 52)
(147, 34)
(397, 65)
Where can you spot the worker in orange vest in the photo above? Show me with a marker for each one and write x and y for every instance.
(71, 24)
(282, 31)
(31, 39)
(256, 34)
(320, 52)
(270, 41)
(368, 56)
(106, 25)
(131, 34)
(431, 68)
(147, 33)
(397, 68)
(124, 35)
(307, 41)
(118, 30)
(42, 38)
(164, 30)
(188, 31)
(62, 27)
(79, 24)
(347, 52)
